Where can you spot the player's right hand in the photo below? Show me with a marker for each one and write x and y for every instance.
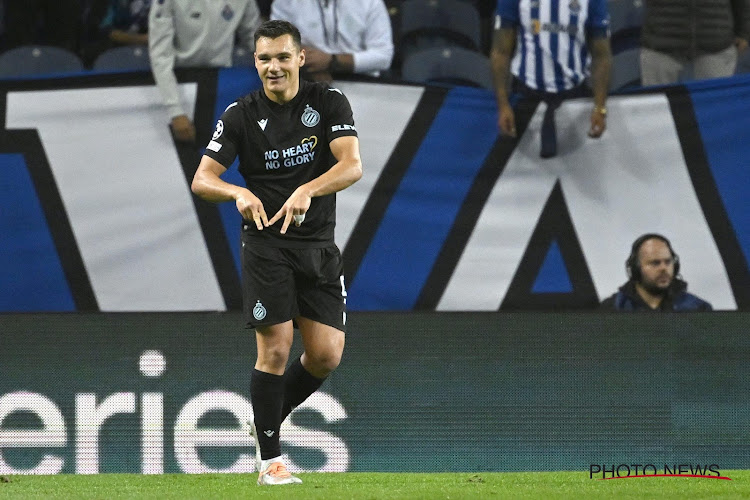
(251, 208)
(507, 121)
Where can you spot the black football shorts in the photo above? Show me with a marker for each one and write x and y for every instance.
(280, 284)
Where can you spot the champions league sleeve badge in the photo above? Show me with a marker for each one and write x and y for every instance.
(310, 117)
(219, 130)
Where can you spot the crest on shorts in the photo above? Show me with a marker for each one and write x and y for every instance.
(310, 117)
(259, 312)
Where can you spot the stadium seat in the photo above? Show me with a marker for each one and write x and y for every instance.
(125, 58)
(241, 56)
(624, 14)
(438, 23)
(626, 70)
(626, 19)
(31, 60)
(448, 65)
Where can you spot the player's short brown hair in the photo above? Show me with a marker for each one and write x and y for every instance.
(276, 28)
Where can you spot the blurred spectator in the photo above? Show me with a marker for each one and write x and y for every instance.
(554, 40)
(702, 35)
(340, 36)
(113, 23)
(190, 33)
(43, 22)
(653, 270)
(264, 6)
(126, 22)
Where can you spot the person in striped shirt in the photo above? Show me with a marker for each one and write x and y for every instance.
(551, 47)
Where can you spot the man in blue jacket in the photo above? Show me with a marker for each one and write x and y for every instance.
(653, 268)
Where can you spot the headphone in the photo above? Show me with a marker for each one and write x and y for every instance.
(632, 264)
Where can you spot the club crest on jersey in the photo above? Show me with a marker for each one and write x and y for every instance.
(259, 312)
(310, 117)
(219, 130)
(574, 6)
(227, 13)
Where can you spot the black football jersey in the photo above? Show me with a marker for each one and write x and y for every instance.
(281, 147)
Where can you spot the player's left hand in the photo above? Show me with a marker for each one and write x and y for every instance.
(598, 124)
(297, 204)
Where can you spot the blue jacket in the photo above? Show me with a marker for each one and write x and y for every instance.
(677, 299)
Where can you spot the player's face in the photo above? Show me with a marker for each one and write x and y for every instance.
(657, 265)
(278, 61)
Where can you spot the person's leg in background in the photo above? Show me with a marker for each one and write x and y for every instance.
(658, 68)
(717, 65)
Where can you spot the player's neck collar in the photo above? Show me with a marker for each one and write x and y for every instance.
(290, 102)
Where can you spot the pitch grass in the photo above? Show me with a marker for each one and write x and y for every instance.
(370, 486)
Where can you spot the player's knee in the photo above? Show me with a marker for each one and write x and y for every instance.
(273, 357)
(323, 363)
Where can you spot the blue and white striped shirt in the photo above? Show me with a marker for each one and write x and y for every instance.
(551, 53)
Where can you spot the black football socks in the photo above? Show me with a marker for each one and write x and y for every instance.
(299, 384)
(267, 397)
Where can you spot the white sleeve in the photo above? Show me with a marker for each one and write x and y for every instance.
(378, 53)
(283, 10)
(162, 54)
(248, 24)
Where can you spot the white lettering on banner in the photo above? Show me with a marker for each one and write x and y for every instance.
(334, 448)
(152, 425)
(90, 417)
(610, 203)
(52, 434)
(89, 421)
(99, 171)
(188, 437)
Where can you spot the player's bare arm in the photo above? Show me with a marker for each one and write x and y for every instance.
(601, 66)
(503, 47)
(207, 184)
(346, 171)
